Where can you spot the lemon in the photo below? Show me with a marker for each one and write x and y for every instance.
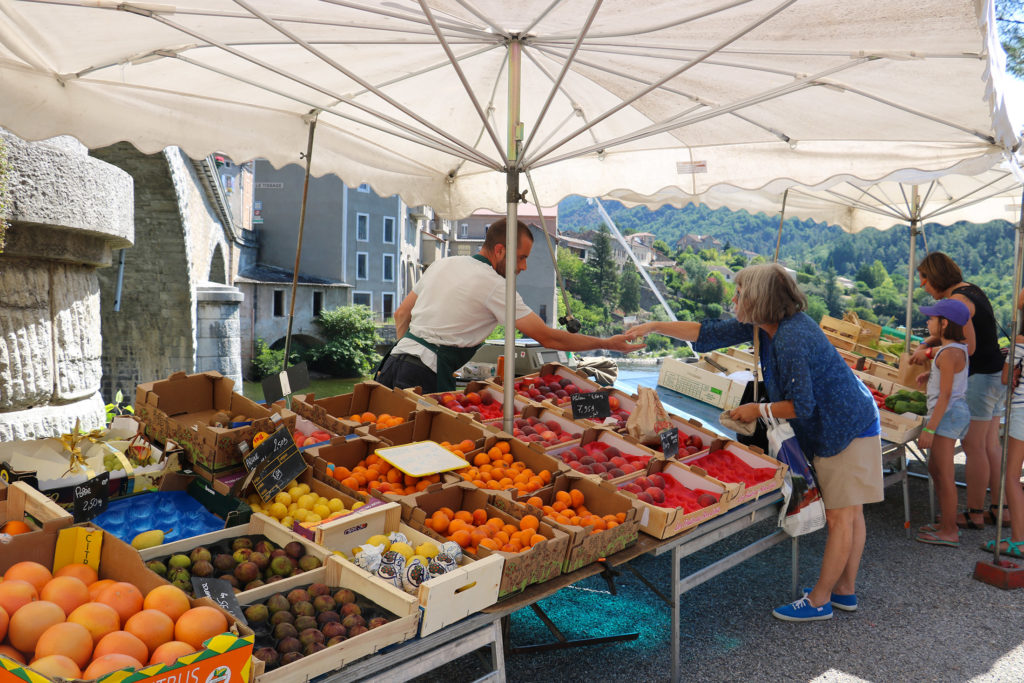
(423, 560)
(356, 505)
(427, 549)
(404, 548)
(255, 508)
(283, 498)
(278, 510)
(300, 514)
(321, 510)
(292, 507)
(380, 539)
(322, 500)
(312, 518)
(288, 522)
(304, 489)
(336, 505)
(295, 492)
(306, 501)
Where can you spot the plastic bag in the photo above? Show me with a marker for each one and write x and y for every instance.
(648, 419)
(803, 510)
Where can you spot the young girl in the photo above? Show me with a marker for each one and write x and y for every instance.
(948, 415)
(1013, 545)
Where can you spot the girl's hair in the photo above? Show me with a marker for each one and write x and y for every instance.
(767, 294)
(940, 270)
(952, 330)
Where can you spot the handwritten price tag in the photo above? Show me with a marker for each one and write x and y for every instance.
(91, 497)
(669, 442)
(221, 592)
(590, 406)
(278, 462)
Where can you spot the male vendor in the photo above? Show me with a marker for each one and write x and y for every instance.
(456, 305)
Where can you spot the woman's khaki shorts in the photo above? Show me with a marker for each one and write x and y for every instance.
(853, 476)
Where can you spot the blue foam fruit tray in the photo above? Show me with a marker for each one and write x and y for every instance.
(178, 514)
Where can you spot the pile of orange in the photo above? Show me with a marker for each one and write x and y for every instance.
(75, 625)
(568, 508)
(375, 473)
(473, 529)
(383, 421)
(495, 469)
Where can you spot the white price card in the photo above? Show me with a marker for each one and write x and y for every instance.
(422, 458)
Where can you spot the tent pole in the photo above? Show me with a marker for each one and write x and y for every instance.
(1018, 268)
(298, 244)
(915, 216)
(515, 136)
(782, 217)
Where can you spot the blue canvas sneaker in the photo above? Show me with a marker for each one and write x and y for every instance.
(847, 603)
(802, 610)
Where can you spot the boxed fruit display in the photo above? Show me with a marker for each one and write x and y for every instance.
(532, 550)
(621, 405)
(205, 416)
(606, 455)
(482, 401)
(26, 515)
(599, 521)
(247, 556)
(746, 466)
(549, 428)
(448, 583)
(509, 466)
(101, 615)
(432, 424)
(323, 620)
(693, 437)
(700, 381)
(554, 383)
(371, 405)
(668, 500)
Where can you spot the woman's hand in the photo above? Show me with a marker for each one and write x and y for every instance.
(922, 379)
(748, 412)
(920, 356)
(641, 330)
(924, 440)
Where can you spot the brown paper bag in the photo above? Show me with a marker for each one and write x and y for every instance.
(908, 373)
(648, 419)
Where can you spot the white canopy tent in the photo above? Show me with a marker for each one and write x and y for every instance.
(447, 102)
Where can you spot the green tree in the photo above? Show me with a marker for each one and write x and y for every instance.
(629, 290)
(1010, 18)
(832, 293)
(350, 350)
(872, 275)
(603, 272)
(816, 307)
(661, 246)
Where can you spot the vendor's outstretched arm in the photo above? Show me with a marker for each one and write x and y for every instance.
(532, 326)
(403, 315)
(685, 330)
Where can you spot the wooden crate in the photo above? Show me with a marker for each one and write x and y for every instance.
(730, 363)
(876, 355)
(842, 343)
(869, 332)
(834, 327)
(337, 573)
(898, 428)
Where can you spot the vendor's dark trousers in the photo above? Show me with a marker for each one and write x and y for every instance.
(402, 371)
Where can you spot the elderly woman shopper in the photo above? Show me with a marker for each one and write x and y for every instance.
(942, 279)
(831, 411)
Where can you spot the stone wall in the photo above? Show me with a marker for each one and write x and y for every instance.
(67, 212)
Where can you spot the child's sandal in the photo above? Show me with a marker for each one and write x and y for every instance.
(992, 513)
(969, 523)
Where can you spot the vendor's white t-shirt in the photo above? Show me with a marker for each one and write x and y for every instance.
(459, 301)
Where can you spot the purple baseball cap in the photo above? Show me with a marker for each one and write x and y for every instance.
(950, 309)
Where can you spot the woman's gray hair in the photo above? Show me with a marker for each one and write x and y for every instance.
(767, 294)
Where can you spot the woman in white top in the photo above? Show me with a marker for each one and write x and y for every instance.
(1013, 545)
(948, 414)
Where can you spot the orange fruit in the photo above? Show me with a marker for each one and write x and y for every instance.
(107, 663)
(99, 619)
(456, 525)
(29, 622)
(4, 620)
(537, 538)
(15, 527)
(82, 572)
(169, 652)
(367, 417)
(8, 651)
(465, 446)
(15, 593)
(490, 543)
(563, 497)
(66, 638)
(200, 624)
(124, 597)
(503, 446)
(152, 627)
(121, 643)
(462, 537)
(170, 600)
(577, 497)
(33, 572)
(481, 459)
(54, 666)
(97, 587)
(66, 591)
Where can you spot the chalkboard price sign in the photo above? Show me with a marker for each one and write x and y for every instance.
(669, 442)
(590, 406)
(279, 462)
(221, 592)
(91, 497)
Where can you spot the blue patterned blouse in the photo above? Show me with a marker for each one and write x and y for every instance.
(833, 406)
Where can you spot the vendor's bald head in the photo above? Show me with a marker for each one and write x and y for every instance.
(493, 248)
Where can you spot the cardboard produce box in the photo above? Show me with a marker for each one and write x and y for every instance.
(259, 526)
(437, 425)
(338, 574)
(229, 654)
(629, 449)
(493, 394)
(662, 522)
(750, 455)
(536, 565)
(23, 504)
(181, 407)
(335, 413)
(692, 430)
(568, 433)
(530, 454)
(586, 544)
(700, 381)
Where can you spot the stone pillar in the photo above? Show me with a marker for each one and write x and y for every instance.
(218, 338)
(68, 211)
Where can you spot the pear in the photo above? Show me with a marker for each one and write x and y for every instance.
(148, 539)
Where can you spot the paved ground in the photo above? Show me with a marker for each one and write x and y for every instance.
(922, 618)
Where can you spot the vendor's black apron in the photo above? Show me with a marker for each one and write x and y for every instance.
(449, 359)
